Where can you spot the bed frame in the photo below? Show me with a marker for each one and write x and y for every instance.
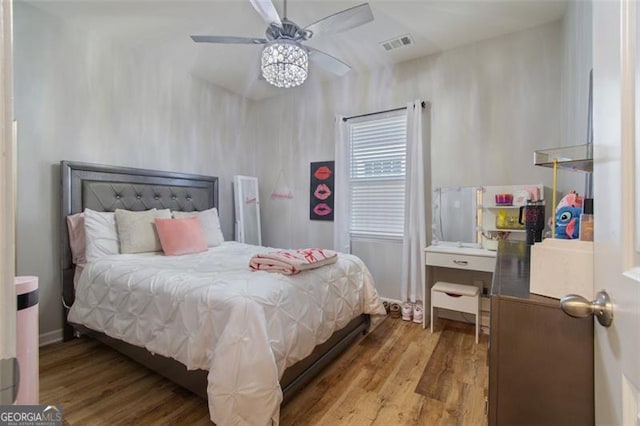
(106, 188)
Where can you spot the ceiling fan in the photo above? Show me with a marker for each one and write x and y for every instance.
(284, 59)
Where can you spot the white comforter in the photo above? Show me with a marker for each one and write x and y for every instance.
(209, 311)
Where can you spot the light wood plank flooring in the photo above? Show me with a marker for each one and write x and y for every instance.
(372, 383)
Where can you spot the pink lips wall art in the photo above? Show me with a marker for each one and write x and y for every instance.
(322, 185)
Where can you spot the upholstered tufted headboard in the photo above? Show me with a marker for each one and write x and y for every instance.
(106, 188)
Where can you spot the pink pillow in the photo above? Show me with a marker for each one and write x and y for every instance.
(181, 236)
(77, 240)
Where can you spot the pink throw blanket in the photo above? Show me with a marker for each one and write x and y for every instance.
(290, 262)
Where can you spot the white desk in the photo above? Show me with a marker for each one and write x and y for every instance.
(465, 258)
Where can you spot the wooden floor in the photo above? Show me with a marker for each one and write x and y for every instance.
(372, 383)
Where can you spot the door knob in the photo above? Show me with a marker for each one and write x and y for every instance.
(579, 307)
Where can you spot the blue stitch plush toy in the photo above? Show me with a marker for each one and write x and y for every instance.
(568, 216)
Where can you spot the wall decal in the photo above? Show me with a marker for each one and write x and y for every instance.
(322, 186)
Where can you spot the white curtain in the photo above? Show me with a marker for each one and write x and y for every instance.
(342, 196)
(414, 240)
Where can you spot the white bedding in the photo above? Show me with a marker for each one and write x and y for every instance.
(209, 311)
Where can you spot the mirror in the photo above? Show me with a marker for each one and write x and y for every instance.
(455, 216)
(247, 210)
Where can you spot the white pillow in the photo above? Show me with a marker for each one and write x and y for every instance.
(137, 230)
(210, 225)
(100, 234)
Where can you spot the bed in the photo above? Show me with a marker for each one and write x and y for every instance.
(257, 357)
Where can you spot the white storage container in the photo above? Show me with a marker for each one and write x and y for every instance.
(27, 340)
(561, 267)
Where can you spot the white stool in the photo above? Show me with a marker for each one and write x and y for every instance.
(457, 297)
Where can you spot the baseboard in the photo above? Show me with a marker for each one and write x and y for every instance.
(50, 337)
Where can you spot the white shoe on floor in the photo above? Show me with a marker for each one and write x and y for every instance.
(407, 311)
(418, 312)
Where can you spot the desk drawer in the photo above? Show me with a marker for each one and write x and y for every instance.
(461, 261)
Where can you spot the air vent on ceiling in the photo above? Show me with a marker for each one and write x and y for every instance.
(397, 42)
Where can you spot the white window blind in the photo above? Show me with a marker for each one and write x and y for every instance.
(378, 153)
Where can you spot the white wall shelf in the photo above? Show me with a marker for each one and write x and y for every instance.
(497, 207)
(490, 209)
(494, 229)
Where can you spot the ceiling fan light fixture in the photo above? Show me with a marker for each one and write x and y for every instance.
(285, 63)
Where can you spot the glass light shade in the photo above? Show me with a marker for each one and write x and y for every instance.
(285, 63)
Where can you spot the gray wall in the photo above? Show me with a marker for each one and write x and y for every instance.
(82, 99)
(492, 104)
(577, 62)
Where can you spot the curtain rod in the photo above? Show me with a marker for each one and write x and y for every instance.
(423, 104)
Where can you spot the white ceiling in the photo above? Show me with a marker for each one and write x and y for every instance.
(165, 26)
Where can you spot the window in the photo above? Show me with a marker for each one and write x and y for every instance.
(377, 169)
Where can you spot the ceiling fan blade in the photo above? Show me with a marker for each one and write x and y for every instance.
(268, 11)
(342, 21)
(227, 39)
(328, 62)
